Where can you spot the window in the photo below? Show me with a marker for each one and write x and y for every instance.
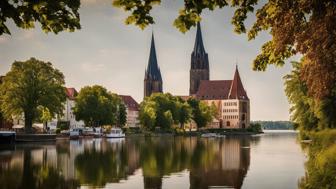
(228, 123)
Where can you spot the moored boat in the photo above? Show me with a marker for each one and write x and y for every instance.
(115, 133)
(74, 134)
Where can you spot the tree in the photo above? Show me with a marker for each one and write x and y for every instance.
(184, 112)
(202, 114)
(122, 114)
(96, 106)
(147, 114)
(29, 85)
(45, 116)
(159, 110)
(309, 113)
(297, 27)
(54, 16)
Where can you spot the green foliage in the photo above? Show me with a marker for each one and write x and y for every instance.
(122, 114)
(96, 106)
(29, 87)
(276, 125)
(183, 112)
(58, 130)
(201, 113)
(308, 112)
(165, 110)
(159, 110)
(297, 27)
(63, 125)
(321, 165)
(255, 127)
(54, 16)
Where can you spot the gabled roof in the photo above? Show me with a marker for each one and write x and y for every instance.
(199, 46)
(71, 93)
(237, 90)
(213, 90)
(153, 71)
(130, 102)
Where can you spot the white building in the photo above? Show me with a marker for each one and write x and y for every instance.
(68, 114)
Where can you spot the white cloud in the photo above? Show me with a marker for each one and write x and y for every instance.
(92, 67)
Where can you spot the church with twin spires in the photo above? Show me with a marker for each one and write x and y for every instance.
(229, 96)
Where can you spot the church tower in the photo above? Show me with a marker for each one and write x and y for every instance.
(199, 63)
(153, 79)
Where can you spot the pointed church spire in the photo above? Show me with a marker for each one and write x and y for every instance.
(199, 47)
(153, 70)
(237, 90)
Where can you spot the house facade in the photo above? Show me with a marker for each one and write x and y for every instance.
(132, 110)
(68, 114)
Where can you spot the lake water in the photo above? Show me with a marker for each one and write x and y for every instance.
(272, 160)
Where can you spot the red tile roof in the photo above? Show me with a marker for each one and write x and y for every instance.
(71, 93)
(215, 89)
(222, 89)
(237, 90)
(130, 102)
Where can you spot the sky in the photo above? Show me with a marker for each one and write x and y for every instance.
(109, 53)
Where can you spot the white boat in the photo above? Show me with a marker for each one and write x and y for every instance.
(115, 133)
(208, 135)
(212, 135)
(74, 134)
(98, 132)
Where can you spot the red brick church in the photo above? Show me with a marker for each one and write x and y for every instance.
(229, 96)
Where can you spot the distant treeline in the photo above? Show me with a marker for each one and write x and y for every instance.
(275, 125)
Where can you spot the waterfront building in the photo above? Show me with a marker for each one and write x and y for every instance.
(229, 96)
(132, 110)
(68, 114)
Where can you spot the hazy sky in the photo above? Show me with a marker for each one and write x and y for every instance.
(109, 53)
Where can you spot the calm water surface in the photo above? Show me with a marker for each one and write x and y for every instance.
(272, 160)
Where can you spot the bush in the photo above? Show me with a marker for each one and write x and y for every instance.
(255, 127)
(321, 165)
(63, 125)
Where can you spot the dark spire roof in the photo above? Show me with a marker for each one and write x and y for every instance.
(199, 47)
(153, 70)
(237, 90)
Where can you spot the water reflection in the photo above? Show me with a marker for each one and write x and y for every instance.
(95, 163)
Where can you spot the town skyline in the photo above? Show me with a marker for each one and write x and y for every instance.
(91, 58)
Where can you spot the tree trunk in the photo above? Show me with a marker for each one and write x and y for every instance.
(45, 126)
(28, 122)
